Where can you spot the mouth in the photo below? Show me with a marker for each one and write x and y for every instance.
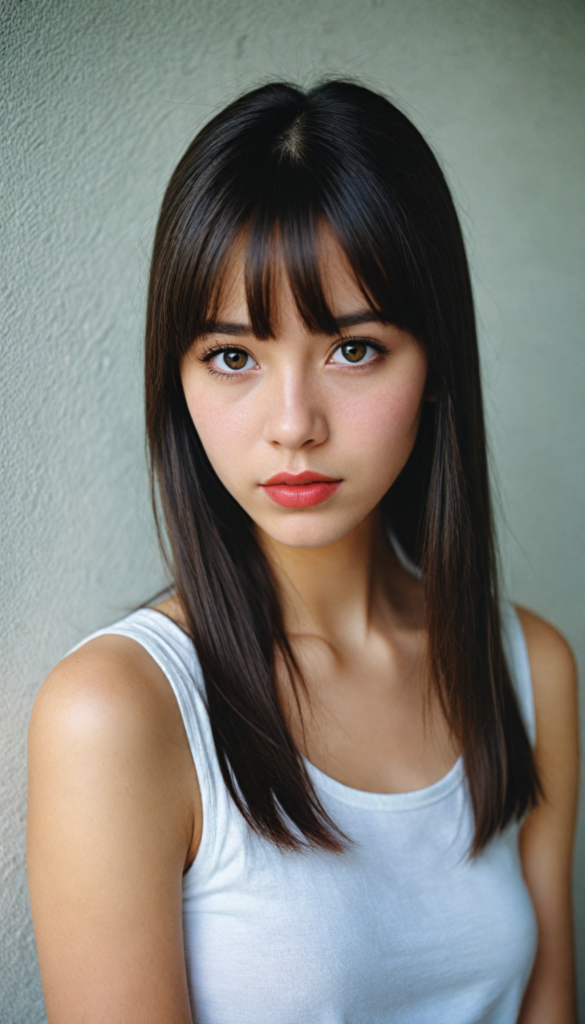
(300, 490)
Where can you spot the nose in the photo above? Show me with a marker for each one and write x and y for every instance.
(295, 417)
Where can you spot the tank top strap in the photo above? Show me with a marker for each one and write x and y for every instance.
(174, 652)
(517, 657)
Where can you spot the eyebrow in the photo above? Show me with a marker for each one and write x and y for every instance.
(362, 316)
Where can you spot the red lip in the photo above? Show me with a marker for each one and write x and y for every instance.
(294, 479)
(300, 490)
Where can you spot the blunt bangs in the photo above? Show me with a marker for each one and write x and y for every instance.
(271, 207)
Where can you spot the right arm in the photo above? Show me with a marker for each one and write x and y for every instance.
(113, 819)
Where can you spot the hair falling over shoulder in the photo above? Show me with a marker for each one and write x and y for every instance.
(280, 160)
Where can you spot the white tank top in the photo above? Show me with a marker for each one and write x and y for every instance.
(403, 928)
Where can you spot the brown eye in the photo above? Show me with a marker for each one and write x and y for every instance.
(232, 360)
(236, 359)
(354, 351)
(358, 352)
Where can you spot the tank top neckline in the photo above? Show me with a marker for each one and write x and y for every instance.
(367, 799)
(405, 801)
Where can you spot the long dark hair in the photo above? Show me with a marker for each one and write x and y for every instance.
(282, 161)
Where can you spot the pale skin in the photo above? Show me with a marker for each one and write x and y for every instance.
(114, 814)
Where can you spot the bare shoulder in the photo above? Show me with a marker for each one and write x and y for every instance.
(109, 688)
(111, 821)
(105, 713)
(554, 680)
(548, 650)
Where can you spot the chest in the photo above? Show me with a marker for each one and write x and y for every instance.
(402, 927)
(370, 720)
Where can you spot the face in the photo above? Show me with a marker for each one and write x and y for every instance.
(306, 431)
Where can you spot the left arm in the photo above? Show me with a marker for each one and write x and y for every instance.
(547, 836)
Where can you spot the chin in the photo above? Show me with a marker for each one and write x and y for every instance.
(309, 529)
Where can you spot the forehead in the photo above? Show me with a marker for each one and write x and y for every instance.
(336, 281)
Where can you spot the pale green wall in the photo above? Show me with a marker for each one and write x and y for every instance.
(99, 98)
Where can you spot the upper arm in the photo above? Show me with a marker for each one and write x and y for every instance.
(547, 835)
(109, 825)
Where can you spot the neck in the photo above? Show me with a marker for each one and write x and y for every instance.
(341, 590)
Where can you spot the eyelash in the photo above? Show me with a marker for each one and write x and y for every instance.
(207, 356)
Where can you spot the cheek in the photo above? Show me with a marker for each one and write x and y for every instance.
(382, 431)
(226, 428)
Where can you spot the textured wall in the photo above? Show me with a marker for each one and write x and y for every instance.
(99, 98)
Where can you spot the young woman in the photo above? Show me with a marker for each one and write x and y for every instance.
(332, 778)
